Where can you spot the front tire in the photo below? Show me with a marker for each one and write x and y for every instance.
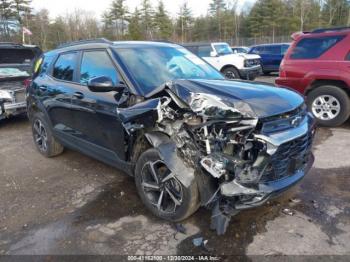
(329, 104)
(231, 73)
(161, 192)
(44, 141)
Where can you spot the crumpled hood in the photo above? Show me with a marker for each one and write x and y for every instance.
(252, 99)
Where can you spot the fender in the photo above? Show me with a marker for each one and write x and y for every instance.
(168, 153)
(322, 74)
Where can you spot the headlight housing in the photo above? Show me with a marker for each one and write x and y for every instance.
(5, 96)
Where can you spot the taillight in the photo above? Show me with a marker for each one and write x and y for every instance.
(27, 82)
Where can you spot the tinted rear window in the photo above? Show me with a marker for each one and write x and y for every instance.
(65, 66)
(16, 56)
(309, 48)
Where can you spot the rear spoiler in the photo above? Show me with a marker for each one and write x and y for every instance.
(296, 35)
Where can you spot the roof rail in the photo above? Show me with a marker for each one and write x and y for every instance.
(86, 41)
(322, 30)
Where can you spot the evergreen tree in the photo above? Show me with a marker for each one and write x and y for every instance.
(6, 13)
(217, 9)
(147, 19)
(21, 9)
(135, 32)
(184, 22)
(162, 22)
(119, 15)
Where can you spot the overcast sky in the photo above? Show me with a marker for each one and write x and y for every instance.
(57, 7)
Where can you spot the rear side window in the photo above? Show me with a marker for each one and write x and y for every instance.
(204, 51)
(284, 49)
(97, 63)
(65, 67)
(272, 50)
(309, 48)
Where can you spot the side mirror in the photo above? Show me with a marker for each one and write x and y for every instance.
(104, 84)
(213, 54)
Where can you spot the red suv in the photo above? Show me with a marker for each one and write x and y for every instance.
(317, 64)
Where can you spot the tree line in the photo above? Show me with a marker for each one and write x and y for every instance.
(225, 20)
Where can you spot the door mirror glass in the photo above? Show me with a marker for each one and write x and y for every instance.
(104, 84)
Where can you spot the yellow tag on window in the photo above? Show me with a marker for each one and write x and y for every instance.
(37, 65)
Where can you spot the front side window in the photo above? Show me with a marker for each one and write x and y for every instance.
(97, 63)
(223, 49)
(257, 50)
(65, 66)
(309, 48)
(152, 66)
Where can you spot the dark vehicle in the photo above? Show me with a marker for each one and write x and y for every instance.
(240, 49)
(16, 65)
(189, 137)
(318, 66)
(271, 56)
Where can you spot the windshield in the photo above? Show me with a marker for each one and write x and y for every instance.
(223, 49)
(152, 66)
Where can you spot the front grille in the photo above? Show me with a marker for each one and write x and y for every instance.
(283, 121)
(251, 62)
(289, 157)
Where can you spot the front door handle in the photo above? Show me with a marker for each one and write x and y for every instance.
(43, 88)
(78, 95)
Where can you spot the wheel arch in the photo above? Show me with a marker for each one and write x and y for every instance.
(322, 82)
(228, 66)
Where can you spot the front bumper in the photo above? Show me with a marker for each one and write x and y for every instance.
(248, 196)
(264, 191)
(12, 109)
(250, 72)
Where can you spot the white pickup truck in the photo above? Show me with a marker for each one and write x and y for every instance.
(230, 64)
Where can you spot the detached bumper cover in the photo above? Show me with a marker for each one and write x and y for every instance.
(9, 109)
(264, 191)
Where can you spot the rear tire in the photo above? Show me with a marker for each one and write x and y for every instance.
(44, 141)
(329, 104)
(150, 186)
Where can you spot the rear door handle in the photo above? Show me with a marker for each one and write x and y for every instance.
(78, 95)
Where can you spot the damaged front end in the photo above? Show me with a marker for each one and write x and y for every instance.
(237, 159)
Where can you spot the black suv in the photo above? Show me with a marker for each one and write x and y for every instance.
(189, 137)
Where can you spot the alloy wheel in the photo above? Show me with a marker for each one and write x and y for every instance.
(230, 74)
(161, 187)
(40, 135)
(326, 107)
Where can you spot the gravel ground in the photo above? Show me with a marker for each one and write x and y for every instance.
(73, 204)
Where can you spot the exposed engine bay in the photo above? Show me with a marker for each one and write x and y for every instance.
(237, 158)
